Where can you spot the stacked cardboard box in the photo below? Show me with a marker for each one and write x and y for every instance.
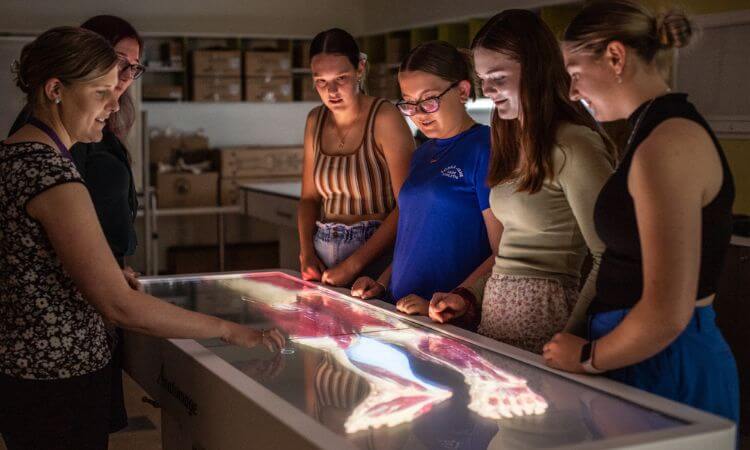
(187, 189)
(180, 188)
(171, 53)
(240, 165)
(162, 92)
(306, 89)
(217, 75)
(268, 76)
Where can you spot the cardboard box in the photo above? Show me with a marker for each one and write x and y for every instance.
(194, 141)
(217, 89)
(185, 189)
(261, 89)
(229, 188)
(217, 63)
(162, 92)
(264, 44)
(307, 91)
(162, 148)
(302, 54)
(171, 53)
(267, 64)
(260, 162)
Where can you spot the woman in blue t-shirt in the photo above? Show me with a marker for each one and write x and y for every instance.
(446, 231)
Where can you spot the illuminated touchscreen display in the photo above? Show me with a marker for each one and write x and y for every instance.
(385, 382)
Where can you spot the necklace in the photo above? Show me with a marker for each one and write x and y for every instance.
(342, 139)
(638, 123)
(640, 118)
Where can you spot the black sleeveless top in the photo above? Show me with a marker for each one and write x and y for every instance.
(620, 281)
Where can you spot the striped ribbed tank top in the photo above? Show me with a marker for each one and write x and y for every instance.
(357, 183)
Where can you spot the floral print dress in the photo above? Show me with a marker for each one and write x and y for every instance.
(47, 329)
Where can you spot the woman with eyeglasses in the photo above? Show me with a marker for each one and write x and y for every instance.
(356, 155)
(549, 161)
(446, 230)
(105, 167)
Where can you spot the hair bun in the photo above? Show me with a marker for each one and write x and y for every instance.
(15, 69)
(673, 29)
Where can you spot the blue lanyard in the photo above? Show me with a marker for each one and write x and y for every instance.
(52, 135)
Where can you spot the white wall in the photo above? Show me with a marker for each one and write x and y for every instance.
(232, 124)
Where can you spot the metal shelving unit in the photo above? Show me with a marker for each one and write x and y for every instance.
(151, 214)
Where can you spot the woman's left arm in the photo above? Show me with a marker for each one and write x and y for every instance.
(675, 172)
(393, 137)
(586, 167)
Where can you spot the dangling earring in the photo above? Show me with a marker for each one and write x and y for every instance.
(58, 100)
(619, 79)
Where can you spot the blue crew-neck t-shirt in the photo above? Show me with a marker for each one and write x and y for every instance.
(442, 236)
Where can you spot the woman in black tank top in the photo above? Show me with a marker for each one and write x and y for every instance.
(664, 215)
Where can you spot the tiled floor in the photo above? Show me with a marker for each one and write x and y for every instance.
(144, 430)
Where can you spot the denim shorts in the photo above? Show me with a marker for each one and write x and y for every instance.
(334, 242)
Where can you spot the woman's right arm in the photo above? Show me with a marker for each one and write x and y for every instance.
(69, 220)
(309, 207)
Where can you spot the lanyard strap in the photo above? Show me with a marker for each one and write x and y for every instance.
(52, 135)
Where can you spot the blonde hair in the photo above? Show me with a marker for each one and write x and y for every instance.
(629, 22)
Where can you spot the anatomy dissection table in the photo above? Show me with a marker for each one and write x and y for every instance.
(356, 374)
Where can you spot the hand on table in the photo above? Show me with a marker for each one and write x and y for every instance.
(311, 267)
(342, 274)
(445, 307)
(366, 287)
(563, 352)
(244, 336)
(413, 304)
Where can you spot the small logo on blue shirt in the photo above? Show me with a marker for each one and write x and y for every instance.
(452, 172)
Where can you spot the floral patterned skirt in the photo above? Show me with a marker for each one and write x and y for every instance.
(525, 312)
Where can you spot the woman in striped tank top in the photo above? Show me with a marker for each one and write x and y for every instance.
(357, 154)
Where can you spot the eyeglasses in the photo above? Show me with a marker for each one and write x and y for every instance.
(427, 106)
(135, 70)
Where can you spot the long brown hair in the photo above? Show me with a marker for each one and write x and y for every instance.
(524, 153)
(70, 54)
(441, 59)
(114, 29)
